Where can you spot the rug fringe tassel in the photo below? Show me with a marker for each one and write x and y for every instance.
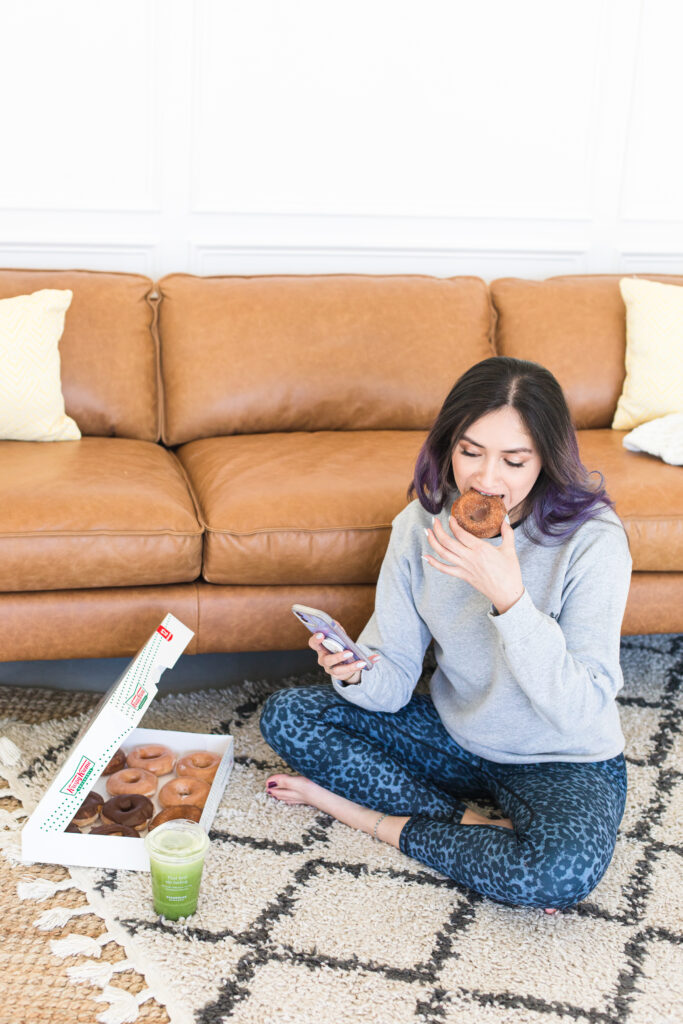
(10, 755)
(9, 818)
(75, 944)
(57, 917)
(40, 889)
(93, 973)
(124, 1006)
(10, 844)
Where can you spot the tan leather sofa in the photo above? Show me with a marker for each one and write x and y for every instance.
(248, 440)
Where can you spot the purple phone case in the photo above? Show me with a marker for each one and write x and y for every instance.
(311, 618)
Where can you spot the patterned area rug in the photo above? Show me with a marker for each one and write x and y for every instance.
(302, 919)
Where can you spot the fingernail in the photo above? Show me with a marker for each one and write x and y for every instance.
(426, 531)
(507, 518)
(347, 655)
(425, 559)
(317, 636)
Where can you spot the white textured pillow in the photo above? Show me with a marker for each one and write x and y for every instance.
(662, 437)
(31, 400)
(654, 352)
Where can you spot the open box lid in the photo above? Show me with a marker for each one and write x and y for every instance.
(113, 720)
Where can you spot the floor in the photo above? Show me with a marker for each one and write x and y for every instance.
(192, 672)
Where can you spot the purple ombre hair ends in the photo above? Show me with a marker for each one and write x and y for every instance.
(564, 496)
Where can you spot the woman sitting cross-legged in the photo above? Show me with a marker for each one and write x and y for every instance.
(526, 629)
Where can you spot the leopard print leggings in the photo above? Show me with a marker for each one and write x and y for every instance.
(565, 813)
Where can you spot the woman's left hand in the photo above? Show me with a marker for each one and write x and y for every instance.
(492, 570)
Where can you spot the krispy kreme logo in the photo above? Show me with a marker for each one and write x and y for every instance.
(138, 698)
(164, 632)
(79, 777)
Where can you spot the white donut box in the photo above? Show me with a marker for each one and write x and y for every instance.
(113, 725)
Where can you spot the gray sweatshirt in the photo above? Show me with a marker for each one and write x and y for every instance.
(534, 684)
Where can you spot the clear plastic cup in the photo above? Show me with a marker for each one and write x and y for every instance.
(176, 855)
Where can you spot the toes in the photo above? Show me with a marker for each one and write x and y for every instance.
(276, 780)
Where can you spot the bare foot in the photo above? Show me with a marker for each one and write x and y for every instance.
(471, 817)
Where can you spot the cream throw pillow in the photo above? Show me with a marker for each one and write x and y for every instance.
(31, 400)
(654, 352)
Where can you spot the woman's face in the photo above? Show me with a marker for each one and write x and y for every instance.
(497, 456)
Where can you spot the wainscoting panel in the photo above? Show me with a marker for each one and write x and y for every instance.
(493, 139)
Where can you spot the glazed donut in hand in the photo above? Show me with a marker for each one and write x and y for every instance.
(152, 757)
(480, 514)
(117, 762)
(129, 809)
(199, 764)
(89, 810)
(132, 780)
(187, 811)
(184, 791)
(114, 830)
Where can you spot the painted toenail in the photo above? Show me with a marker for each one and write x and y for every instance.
(270, 784)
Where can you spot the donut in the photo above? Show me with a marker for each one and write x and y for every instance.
(132, 780)
(117, 762)
(479, 514)
(152, 757)
(199, 764)
(89, 810)
(187, 811)
(114, 830)
(184, 791)
(129, 809)
(72, 828)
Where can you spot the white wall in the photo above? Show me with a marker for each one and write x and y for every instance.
(489, 137)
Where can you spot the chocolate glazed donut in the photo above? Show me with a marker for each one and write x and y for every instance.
(117, 763)
(129, 809)
(88, 812)
(115, 830)
(480, 514)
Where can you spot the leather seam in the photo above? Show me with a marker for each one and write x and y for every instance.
(197, 610)
(99, 533)
(191, 491)
(636, 518)
(296, 529)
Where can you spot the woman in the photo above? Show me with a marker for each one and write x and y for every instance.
(526, 629)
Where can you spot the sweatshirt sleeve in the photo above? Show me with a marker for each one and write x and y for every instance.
(395, 632)
(569, 669)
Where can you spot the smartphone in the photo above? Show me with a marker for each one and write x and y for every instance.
(334, 637)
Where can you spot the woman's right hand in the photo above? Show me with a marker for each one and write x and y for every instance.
(338, 665)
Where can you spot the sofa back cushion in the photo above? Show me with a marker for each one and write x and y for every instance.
(108, 350)
(576, 327)
(304, 353)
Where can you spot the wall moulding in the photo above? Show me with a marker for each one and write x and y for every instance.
(440, 261)
(130, 258)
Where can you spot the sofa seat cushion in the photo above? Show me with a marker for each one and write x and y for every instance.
(299, 508)
(99, 512)
(648, 497)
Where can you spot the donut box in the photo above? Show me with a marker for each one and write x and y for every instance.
(113, 725)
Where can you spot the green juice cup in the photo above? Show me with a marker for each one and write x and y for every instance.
(176, 855)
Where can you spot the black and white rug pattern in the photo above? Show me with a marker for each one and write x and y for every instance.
(302, 919)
